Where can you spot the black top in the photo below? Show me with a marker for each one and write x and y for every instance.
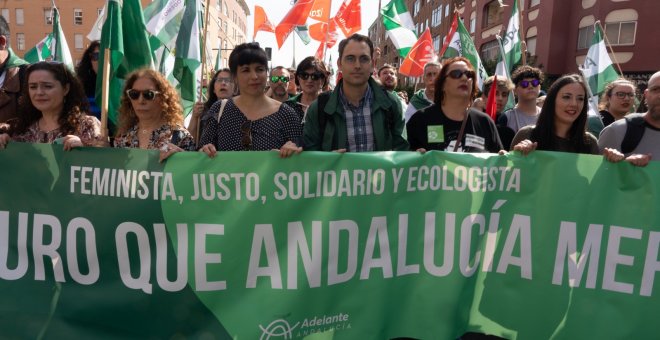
(606, 117)
(267, 133)
(480, 132)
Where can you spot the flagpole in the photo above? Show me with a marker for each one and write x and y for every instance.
(105, 93)
(523, 42)
(607, 42)
(203, 51)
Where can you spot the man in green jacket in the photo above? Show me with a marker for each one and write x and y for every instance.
(359, 115)
(424, 97)
(10, 77)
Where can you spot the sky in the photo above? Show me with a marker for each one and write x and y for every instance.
(277, 9)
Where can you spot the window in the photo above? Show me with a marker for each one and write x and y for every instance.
(20, 41)
(533, 3)
(473, 24)
(621, 33)
(218, 6)
(436, 16)
(19, 16)
(416, 8)
(48, 16)
(531, 45)
(5, 13)
(220, 23)
(385, 50)
(224, 27)
(446, 10)
(226, 11)
(492, 14)
(77, 16)
(489, 50)
(78, 38)
(585, 34)
(436, 43)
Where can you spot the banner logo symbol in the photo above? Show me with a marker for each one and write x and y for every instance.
(278, 328)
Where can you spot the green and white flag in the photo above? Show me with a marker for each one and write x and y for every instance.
(452, 45)
(95, 32)
(597, 68)
(188, 53)
(125, 35)
(39, 52)
(504, 71)
(469, 51)
(58, 43)
(303, 33)
(511, 43)
(399, 25)
(163, 19)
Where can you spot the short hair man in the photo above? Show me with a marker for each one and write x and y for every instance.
(279, 83)
(424, 97)
(389, 81)
(12, 69)
(637, 135)
(527, 81)
(359, 115)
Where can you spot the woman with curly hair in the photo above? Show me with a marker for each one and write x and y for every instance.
(150, 116)
(53, 109)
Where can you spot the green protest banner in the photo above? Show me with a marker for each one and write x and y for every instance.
(104, 243)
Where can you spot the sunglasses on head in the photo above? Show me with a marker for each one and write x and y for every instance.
(457, 74)
(275, 79)
(147, 94)
(246, 135)
(314, 76)
(94, 56)
(525, 83)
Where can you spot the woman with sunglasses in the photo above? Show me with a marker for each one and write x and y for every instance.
(251, 121)
(527, 82)
(86, 71)
(221, 86)
(311, 77)
(562, 121)
(150, 116)
(53, 109)
(450, 124)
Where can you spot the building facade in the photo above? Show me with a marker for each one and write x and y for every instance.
(557, 32)
(31, 20)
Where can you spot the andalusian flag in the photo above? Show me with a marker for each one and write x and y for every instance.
(59, 47)
(598, 69)
(39, 52)
(469, 51)
(125, 35)
(163, 20)
(399, 25)
(511, 42)
(303, 34)
(188, 53)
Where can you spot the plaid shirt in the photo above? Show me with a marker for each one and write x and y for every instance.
(358, 122)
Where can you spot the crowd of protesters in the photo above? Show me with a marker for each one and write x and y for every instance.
(249, 108)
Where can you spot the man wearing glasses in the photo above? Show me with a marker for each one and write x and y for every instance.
(279, 83)
(10, 80)
(527, 81)
(359, 115)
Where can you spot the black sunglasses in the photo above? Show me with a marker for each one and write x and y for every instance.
(246, 135)
(147, 94)
(94, 56)
(525, 84)
(457, 74)
(314, 76)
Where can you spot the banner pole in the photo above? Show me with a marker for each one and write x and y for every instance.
(521, 32)
(203, 51)
(105, 93)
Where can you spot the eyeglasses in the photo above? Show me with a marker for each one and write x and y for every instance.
(147, 94)
(314, 76)
(457, 74)
(246, 135)
(275, 79)
(623, 95)
(94, 56)
(525, 83)
(223, 80)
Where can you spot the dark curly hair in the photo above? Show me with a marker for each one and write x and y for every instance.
(170, 102)
(526, 71)
(544, 132)
(442, 77)
(75, 103)
(85, 72)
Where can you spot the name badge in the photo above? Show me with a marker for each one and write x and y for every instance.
(475, 141)
(435, 134)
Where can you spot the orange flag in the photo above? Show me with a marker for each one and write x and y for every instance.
(320, 52)
(297, 16)
(317, 32)
(261, 22)
(349, 17)
(491, 104)
(420, 54)
(321, 10)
